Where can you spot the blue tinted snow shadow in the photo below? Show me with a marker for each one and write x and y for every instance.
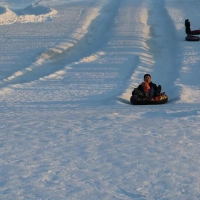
(32, 10)
(131, 195)
(2, 10)
(172, 114)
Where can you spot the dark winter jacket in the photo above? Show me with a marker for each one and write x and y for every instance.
(152, 85)
(187, 27)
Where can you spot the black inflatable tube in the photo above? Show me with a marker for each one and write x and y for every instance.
(192, 38)
(195, 32)
(134, 102)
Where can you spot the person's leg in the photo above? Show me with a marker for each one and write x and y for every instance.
(159, 90)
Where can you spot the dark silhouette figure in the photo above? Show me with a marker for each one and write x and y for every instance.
(187, 27)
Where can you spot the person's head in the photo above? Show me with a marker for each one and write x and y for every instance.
(187, 20)
(147, 78)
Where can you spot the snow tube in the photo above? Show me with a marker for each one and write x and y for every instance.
(135, 100)
(195, 32)
(192, 38)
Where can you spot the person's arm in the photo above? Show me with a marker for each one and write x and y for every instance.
(138, 90)
(155, 87)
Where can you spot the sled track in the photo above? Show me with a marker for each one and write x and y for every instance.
(162, 47)
(157, 39)
(81, 43)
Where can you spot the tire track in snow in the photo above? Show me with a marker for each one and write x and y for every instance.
(160, 52)
(165, 48)
(140, 36)
(81, 43)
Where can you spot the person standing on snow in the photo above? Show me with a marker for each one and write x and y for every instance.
(147, 88)
(187, 27)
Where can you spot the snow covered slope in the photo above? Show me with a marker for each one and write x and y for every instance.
(67, 129)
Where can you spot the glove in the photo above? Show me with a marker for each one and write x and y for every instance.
(146, 87)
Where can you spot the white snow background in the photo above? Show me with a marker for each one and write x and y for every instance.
(67, 129)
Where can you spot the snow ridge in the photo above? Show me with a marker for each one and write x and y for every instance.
(144, 61)
(72, 48)
(31, 14)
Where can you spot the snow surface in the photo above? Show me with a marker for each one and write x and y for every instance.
(67, 70)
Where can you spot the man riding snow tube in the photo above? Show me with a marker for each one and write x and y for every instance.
(148, 93)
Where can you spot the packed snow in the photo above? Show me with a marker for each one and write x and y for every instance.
(68, 130)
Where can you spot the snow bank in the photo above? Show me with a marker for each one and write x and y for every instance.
(32, 13)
